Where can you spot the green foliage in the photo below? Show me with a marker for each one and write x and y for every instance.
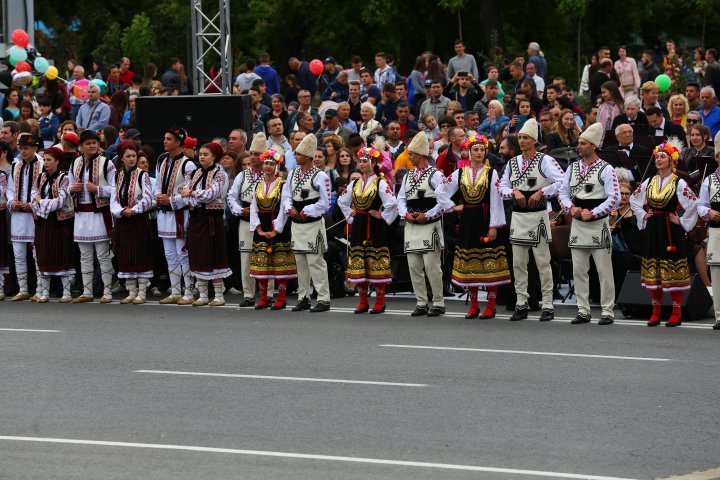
(108, 50)
(138, 40)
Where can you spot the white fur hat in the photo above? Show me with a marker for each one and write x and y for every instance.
(530, 129)
(259, 143)
(308, 146)
(420, 145)
(594, 134)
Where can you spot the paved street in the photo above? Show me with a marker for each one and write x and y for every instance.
(114, 391)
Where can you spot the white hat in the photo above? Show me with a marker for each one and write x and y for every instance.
(530, 129)
(308, 146)
(258, 144)
(420, 145)
(717, 143)
(594, 134)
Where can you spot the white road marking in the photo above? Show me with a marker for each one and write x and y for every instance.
(526, 352)
(28, 330)
(307, 456)
(295, 379)
(712, 474)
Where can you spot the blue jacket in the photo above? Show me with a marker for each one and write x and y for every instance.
(270, 76)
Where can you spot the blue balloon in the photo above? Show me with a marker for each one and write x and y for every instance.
(41, 65)
(102, 85)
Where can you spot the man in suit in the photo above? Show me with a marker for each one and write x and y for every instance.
(601, 76)
(664, 127)
(638, 156)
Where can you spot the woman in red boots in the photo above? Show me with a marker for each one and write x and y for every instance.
(480, 261)
(272, 258)
(369, 206)
(655, 204)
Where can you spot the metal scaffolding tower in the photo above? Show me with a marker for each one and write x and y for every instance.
(211, 39)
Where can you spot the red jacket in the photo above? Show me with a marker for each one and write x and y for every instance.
(446, 163)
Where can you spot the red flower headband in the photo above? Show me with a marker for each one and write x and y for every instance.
(271, 155)
(668, 149)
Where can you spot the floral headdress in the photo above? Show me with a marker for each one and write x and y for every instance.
(272, 155)
(672, 147)
(371, 153)
(475, 139)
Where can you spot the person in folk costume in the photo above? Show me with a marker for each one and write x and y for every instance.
(4, 251)
(204, 192)
(24, 175)
(479, 261)
(239, 199)
(54, 214)
(92, 184)
(132, 236)
(655, 203)
(708, 207)
(529, 180)
(590, 191)
(422, 199)
(172, 170)
(306, 198)
(369, 206)
(272, 258)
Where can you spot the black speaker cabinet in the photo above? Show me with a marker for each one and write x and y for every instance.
(204, 116)
(634, 300)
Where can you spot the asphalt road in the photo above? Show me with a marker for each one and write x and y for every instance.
(116, 392)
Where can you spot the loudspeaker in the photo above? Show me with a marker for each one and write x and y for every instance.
(634, 300)
(203, 116)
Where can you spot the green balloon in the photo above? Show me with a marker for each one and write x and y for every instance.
(663, 82)
(17, 54)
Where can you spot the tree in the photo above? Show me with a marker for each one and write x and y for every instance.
(108, 51)
(138, 40)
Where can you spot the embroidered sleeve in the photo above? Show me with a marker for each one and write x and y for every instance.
(688, 201)
(216, 191)
(552, 171)
(452, 185)
(344, 201)
(497, 207)
(612, 190)
(254, 212)
(564, 190)
(108, 191)
(505, 188)
(318, 209)
(442, 199)
(145, 202)
(637, 203)
(233, 195)
(703, 204)
(389, 211)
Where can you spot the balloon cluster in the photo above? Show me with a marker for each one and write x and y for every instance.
(26, 65)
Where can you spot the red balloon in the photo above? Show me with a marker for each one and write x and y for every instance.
(317, 67)
(20, 38)
(23, 67)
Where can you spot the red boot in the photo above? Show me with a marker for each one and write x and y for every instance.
(379, 299)
(676, 317)
(280, 302)
(264, 301)
(474, 308)
(490, 307)
(363, 292)
(656, 299)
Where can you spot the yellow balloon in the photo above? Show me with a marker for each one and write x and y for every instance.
(52, 73)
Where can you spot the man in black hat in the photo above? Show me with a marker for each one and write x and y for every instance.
(22, 227)
(92, 184)
(173, 217)
(135, 136)
(331, 125)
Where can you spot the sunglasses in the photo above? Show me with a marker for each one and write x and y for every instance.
(444, 125)
(692, 120)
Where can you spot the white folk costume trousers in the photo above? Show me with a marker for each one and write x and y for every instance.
(178, 265)
(581, 269)
(521, 258)
(87, 266)
(20, 251)
(715, 278)
(427, 263)
(312, 266)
